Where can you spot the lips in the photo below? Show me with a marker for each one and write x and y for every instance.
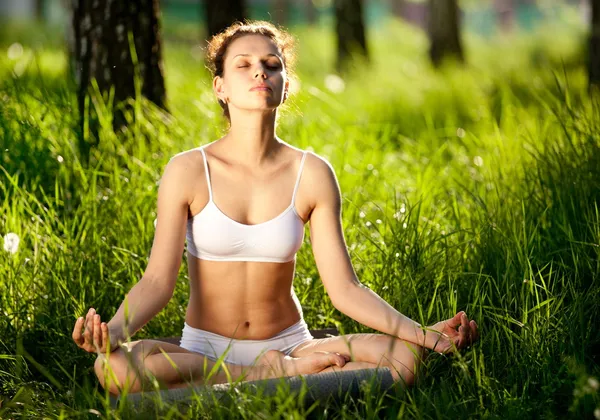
(261, 87)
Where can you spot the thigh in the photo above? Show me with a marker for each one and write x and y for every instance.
(137, 351)
(403, 358)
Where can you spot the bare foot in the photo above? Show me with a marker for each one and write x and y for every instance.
(275, 364)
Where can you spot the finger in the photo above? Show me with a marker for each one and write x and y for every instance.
(338, 359)
(89, 328)
(77, 337)
(467, 328)
(462, 337)
(97, 333)
(105, 340)
(455, 320)
(474, 331)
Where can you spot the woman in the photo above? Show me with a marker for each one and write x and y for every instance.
(241, 202)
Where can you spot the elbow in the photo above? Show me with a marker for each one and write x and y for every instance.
(160, 287)
(343, 297)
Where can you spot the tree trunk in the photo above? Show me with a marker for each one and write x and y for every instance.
(101, 51)
(311, 12)
(397, 8)
(505, 13)
(350, 30)
(444, 36)
(594, 46)
(39, 10)
(280, 11)
(222, 13)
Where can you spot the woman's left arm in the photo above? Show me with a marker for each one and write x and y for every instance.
(346, 292)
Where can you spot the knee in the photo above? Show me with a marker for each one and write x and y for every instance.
(116, 373)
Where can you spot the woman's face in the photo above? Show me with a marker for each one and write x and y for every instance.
(251, 61)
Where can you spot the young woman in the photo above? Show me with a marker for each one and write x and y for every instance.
(241, 202)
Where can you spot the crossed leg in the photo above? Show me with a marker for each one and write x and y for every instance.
(134, 365)
(370, 351)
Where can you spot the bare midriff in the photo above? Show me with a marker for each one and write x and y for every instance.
(240, 299)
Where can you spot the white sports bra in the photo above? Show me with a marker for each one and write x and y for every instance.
(212, 235)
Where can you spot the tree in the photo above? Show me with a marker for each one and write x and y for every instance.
(350, 31)
(311, 12)
(280, 11)
(109, 38)
(39, 6)
(505, 14)
(594, 46)
(222, 13)
(444, 34)
(397, 8)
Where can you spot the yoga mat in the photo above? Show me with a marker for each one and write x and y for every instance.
(320, 387)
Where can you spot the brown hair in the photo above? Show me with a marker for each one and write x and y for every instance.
(218, 44)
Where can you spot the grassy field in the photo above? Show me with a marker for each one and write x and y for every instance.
(473, 188)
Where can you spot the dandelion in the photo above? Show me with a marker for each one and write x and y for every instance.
(460, 132)
(362, 214)
(60, 159)
(404, 225)
(307, 281)
(14, 51)
(368, 224)
(335, 83)
(370, 167)
(378, 221)
(597, 413)
(478, 161)
(593, 383)
(11, 242)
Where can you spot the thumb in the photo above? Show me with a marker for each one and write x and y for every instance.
(455, 320)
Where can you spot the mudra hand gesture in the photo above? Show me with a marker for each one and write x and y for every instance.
(452, 334)
(95, 337)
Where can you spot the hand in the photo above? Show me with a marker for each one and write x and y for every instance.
(443, 337)
(95, 337)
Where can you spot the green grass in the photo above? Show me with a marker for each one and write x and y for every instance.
(472, 188)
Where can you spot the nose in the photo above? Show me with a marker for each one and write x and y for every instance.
(260, 72)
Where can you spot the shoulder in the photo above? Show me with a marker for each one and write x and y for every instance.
(186, 160)
(182, 172)
(320, 175)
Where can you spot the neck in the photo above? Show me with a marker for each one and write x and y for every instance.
(251, 139)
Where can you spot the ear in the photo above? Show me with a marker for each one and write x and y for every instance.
(286, 90)
(218, 88)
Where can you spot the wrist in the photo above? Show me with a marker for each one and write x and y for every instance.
(116, 334)
(431, 338)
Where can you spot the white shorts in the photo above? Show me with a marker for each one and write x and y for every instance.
(243, 352)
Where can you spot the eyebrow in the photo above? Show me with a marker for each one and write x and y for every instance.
(248, 55)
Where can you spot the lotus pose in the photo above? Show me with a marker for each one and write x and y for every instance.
(241, 203)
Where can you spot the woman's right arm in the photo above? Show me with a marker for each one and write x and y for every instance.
(152, 293)
(154, 290)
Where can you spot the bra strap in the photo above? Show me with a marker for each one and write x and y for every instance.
(207, 174)
(298, 180)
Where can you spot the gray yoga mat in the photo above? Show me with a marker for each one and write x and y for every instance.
(319, 386)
